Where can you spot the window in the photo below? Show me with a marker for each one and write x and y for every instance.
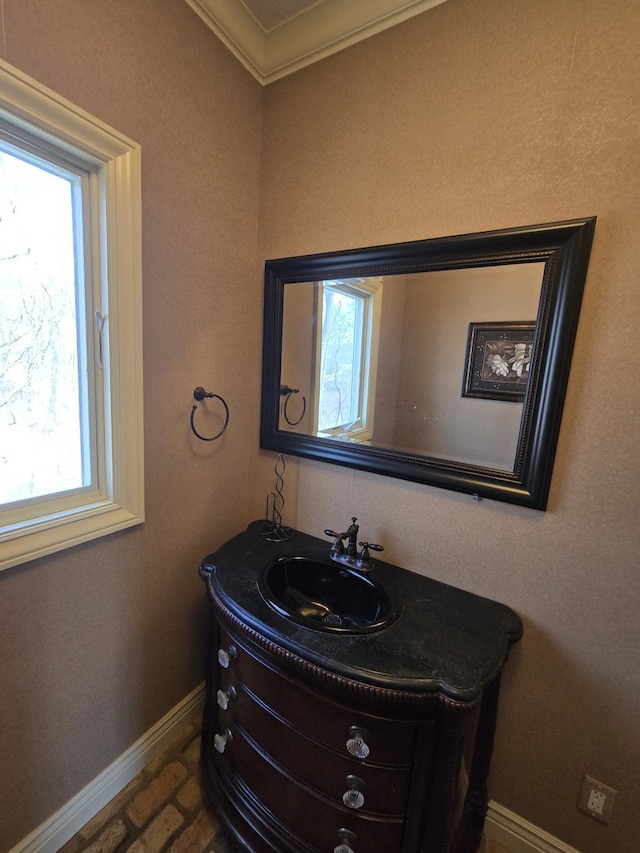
(346, 357)
(71, 454)
(44, 420)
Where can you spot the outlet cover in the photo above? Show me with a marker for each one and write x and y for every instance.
(596, 799)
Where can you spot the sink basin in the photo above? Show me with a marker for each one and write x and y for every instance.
(326, 596)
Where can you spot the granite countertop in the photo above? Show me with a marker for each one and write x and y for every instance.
(445, 641)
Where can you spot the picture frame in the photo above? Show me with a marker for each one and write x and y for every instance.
(497, 360)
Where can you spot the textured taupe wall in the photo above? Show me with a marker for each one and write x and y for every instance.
(99, 642)
(475, 116)
(472, 116)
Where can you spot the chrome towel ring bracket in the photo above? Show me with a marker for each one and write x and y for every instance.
(199, 394)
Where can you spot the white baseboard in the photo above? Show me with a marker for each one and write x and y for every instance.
(518, 835)
(50, 836)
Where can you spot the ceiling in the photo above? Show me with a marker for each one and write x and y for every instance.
(274, 38)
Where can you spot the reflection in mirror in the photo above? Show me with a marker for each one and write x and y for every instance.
(391, 376)
(442, 361)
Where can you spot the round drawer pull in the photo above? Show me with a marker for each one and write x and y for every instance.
(357, 742)
(346, 840)
(224, 697)
(225, 656)
(353, 797)
(221, 741)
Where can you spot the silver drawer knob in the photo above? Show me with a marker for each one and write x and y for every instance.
(356, 742)
(224, 697)
(353, 797)
(220, 741)
(346, 840)
(225, 656)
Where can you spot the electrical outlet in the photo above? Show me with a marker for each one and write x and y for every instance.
(596, 799)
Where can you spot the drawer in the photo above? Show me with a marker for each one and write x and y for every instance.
(323, 719)
(321, 767)
(303, 811)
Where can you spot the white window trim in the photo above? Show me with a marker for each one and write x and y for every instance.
(119, 500)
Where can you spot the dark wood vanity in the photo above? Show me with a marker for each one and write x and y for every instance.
(323, 741)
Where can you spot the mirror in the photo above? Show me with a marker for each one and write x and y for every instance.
(442, 361)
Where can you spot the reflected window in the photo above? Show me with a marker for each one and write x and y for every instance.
(346, 357)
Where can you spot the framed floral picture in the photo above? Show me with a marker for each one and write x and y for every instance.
(498, 359)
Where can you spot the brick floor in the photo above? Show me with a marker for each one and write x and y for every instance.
(164, 810)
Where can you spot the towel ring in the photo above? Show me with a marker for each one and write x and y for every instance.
(199, 394)
(287, 393)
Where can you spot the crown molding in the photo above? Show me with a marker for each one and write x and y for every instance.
(308, 37)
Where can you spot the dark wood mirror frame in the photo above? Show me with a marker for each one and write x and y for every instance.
(563, 247)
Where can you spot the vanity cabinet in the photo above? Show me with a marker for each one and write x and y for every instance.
(316, 742)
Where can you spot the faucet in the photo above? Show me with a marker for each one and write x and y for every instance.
(349, 556)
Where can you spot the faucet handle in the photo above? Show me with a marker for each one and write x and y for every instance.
(366, 547)
(337, 546)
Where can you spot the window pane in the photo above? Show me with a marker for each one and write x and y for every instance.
(40, 392)
(340, 371)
